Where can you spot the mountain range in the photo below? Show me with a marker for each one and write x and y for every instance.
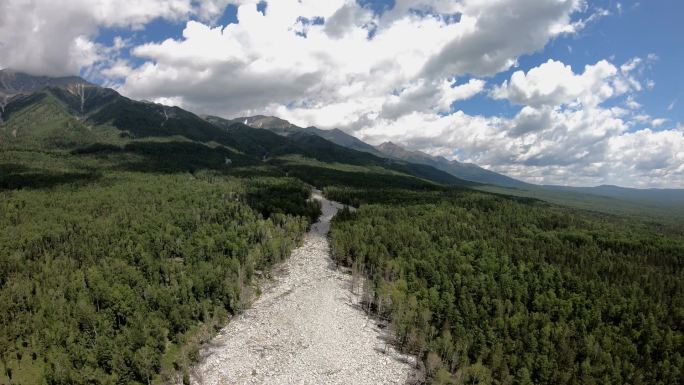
(629, 199)
(466, 171)
(70, 113)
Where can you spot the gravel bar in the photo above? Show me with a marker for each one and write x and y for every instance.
(306, 328)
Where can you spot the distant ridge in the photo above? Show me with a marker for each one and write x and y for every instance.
(650, 195)
(467, 171)
(285, 128)
(267, 122)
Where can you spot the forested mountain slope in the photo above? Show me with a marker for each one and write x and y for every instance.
(13, 83)
(465, 171)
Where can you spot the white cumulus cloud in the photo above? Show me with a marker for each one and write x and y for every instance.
(563, 134)
(48, 37)
(553, 83)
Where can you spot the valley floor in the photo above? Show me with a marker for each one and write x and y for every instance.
(307, 328)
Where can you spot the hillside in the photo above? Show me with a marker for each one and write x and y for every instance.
(16, 82)
(70, 113)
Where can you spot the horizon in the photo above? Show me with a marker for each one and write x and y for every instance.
(562, 94)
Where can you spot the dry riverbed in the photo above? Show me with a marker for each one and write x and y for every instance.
(306, 328)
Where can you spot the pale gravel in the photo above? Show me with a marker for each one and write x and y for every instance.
(306, 328)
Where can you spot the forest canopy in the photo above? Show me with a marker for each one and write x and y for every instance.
(489, 289)
(116, 277)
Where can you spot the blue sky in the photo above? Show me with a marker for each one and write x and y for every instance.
(572, 92)
(641, 29)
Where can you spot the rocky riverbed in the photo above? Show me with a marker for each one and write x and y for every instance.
(306, 328)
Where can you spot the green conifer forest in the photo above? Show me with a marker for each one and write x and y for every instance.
(489, 289)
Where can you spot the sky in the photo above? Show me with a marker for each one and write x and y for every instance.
(570, 92)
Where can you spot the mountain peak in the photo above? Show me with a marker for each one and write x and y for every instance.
(389, 144)
(394, 150)
(14, 82)
(263, 121)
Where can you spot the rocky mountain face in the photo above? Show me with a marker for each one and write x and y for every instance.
(267, 122)
(323, 145)
(14, 84)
